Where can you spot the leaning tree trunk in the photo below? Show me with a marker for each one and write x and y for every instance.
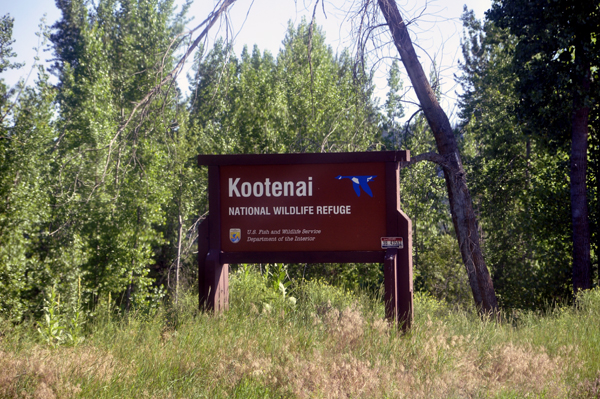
(463, 217)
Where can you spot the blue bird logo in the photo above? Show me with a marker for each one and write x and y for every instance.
(358, 182)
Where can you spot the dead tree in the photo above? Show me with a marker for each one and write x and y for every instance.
(463, 216)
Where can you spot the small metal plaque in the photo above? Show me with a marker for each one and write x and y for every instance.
(392, 242)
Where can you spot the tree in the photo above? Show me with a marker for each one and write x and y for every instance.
(518, 182)
(464, 220)
(261, 104)
(26, 142)
(111, 195)
(438, 267)
(329, 107)
(6, 40)
(25, 163)
(394, 111)
(437, 261)
(6, 53)
(556, 50)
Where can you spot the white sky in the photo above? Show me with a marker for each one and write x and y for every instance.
(436, 31)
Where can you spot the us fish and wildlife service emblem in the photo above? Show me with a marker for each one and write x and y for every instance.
(235, 235)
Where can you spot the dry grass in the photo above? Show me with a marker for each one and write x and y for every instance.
(42, 373)
(440, 366)
(324, 350)
(430, 362)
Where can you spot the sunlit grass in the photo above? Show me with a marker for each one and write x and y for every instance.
(331, 343)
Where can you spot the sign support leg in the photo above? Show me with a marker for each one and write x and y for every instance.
(218, 296)
(404, 274)
(213, 276)
(391, 284)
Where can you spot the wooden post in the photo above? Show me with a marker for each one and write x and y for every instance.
(213, 275)
(390, 283)
(404, 273)
(398, 281)
(218, 279)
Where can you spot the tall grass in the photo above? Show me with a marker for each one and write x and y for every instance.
(329, 343)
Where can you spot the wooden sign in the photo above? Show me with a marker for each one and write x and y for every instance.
(328, 207)
(305, 208)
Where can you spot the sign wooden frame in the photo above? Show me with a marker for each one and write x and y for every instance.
(213, 262)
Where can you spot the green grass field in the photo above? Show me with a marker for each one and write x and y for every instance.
(330, 343)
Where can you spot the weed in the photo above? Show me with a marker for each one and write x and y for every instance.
(52, 329)
(62, 328)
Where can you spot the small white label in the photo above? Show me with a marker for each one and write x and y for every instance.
(392, 242)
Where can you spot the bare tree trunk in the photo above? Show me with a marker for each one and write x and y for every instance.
(582, 265)
(463, 217)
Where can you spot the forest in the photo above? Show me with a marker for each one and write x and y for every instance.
(101, 196)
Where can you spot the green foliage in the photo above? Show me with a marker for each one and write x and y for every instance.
(328, 107)
(6, 40)
(6, 53)
(25, 167)
(84, 191)
(74, 330)
(438, 267)
(317, 293)
(113, 194)
(262, 104)
(92, 191)
(251, 287)
(268, 290)
(544, 60)
(61, 327)
(51, 329)
(520, 187)
(555, 63)
(391, 125)
(279, 280)
(441, 271)
(352, 276)
(437, 262)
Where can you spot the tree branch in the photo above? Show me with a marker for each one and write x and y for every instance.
(432, 157)
(213, 17)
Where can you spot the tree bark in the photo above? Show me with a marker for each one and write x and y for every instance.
(463, 216)
(582, 276)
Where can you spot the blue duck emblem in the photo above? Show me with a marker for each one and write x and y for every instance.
(359, 182)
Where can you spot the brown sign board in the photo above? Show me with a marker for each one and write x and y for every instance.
(326, 207)
(297, 208)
